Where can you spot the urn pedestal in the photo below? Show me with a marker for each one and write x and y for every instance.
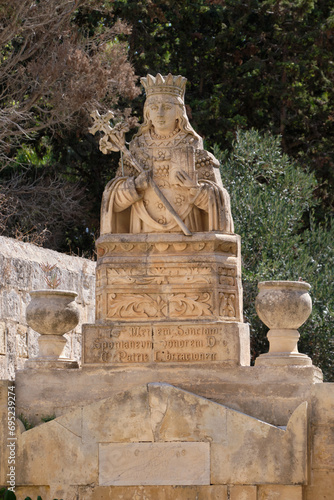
(52, 313)
(283, 306)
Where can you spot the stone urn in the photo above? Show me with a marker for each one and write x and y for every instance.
(283, 306)
(52, 313)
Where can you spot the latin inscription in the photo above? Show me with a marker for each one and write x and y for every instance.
(166, 343)
(174, 343)
(127, 344)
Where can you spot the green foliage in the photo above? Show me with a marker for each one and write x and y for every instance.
(38, 498)
(10, 495)
(262, 64)
(7, 494)
(27, 425)
(59, 62)
(37, 155)
(48, 418)
(272, 205)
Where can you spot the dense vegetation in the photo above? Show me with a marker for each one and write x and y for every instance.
(273, 205)
(253, 67)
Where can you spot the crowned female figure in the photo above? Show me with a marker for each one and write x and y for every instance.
(174, 163)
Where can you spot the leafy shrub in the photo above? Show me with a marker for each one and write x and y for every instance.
(273, 201)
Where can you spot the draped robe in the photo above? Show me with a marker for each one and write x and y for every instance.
(202, 208)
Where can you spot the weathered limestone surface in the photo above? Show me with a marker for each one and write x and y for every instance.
(321, 485)
(255, 390)
(176, 300)
(22, 492)
(283, 306)
(242, 492)
(245, 458)
(270, 492)
(167, 182)
(174, 278)
(321, 479)
(63, 458)
(144, 493)
(180, 342)
(130, 464)
(169, 264)
(20, 273)
(269, 394)
(198, 442)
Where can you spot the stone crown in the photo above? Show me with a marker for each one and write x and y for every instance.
(174, 85)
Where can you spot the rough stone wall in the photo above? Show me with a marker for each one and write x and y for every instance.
(20, 272)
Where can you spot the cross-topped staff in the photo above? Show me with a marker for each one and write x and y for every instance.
(114, 140)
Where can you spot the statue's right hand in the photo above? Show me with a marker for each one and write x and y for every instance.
(142, 181)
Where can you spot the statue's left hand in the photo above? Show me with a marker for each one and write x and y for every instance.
(182, 179)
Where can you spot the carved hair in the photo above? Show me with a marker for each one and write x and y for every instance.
(182, 118)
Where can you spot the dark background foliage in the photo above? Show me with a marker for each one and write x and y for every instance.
(260, 91)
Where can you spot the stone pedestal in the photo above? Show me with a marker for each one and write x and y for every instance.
(283, 306)
(283, 350)
(168, 299)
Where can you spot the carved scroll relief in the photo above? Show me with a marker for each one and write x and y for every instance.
(125, 306)
(136, 305)
(188, 291)
(159, 276)
(227, 305)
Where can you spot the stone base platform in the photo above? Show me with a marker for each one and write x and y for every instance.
(212, 492)
(71, 456)
(267, 393)
(159, 435)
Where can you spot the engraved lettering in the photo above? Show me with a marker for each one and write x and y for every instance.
(211, 341)
(173, 343)
(196, 343)
(139, 332)
(164, 331)
(136, 357)
(167, 356)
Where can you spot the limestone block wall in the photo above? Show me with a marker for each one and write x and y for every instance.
(158, 442)
(20, 272)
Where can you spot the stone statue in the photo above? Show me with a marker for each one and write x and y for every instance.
(166, 181)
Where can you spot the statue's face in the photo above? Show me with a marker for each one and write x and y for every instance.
(163, 113)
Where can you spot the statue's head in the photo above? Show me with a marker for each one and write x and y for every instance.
(164, 108)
